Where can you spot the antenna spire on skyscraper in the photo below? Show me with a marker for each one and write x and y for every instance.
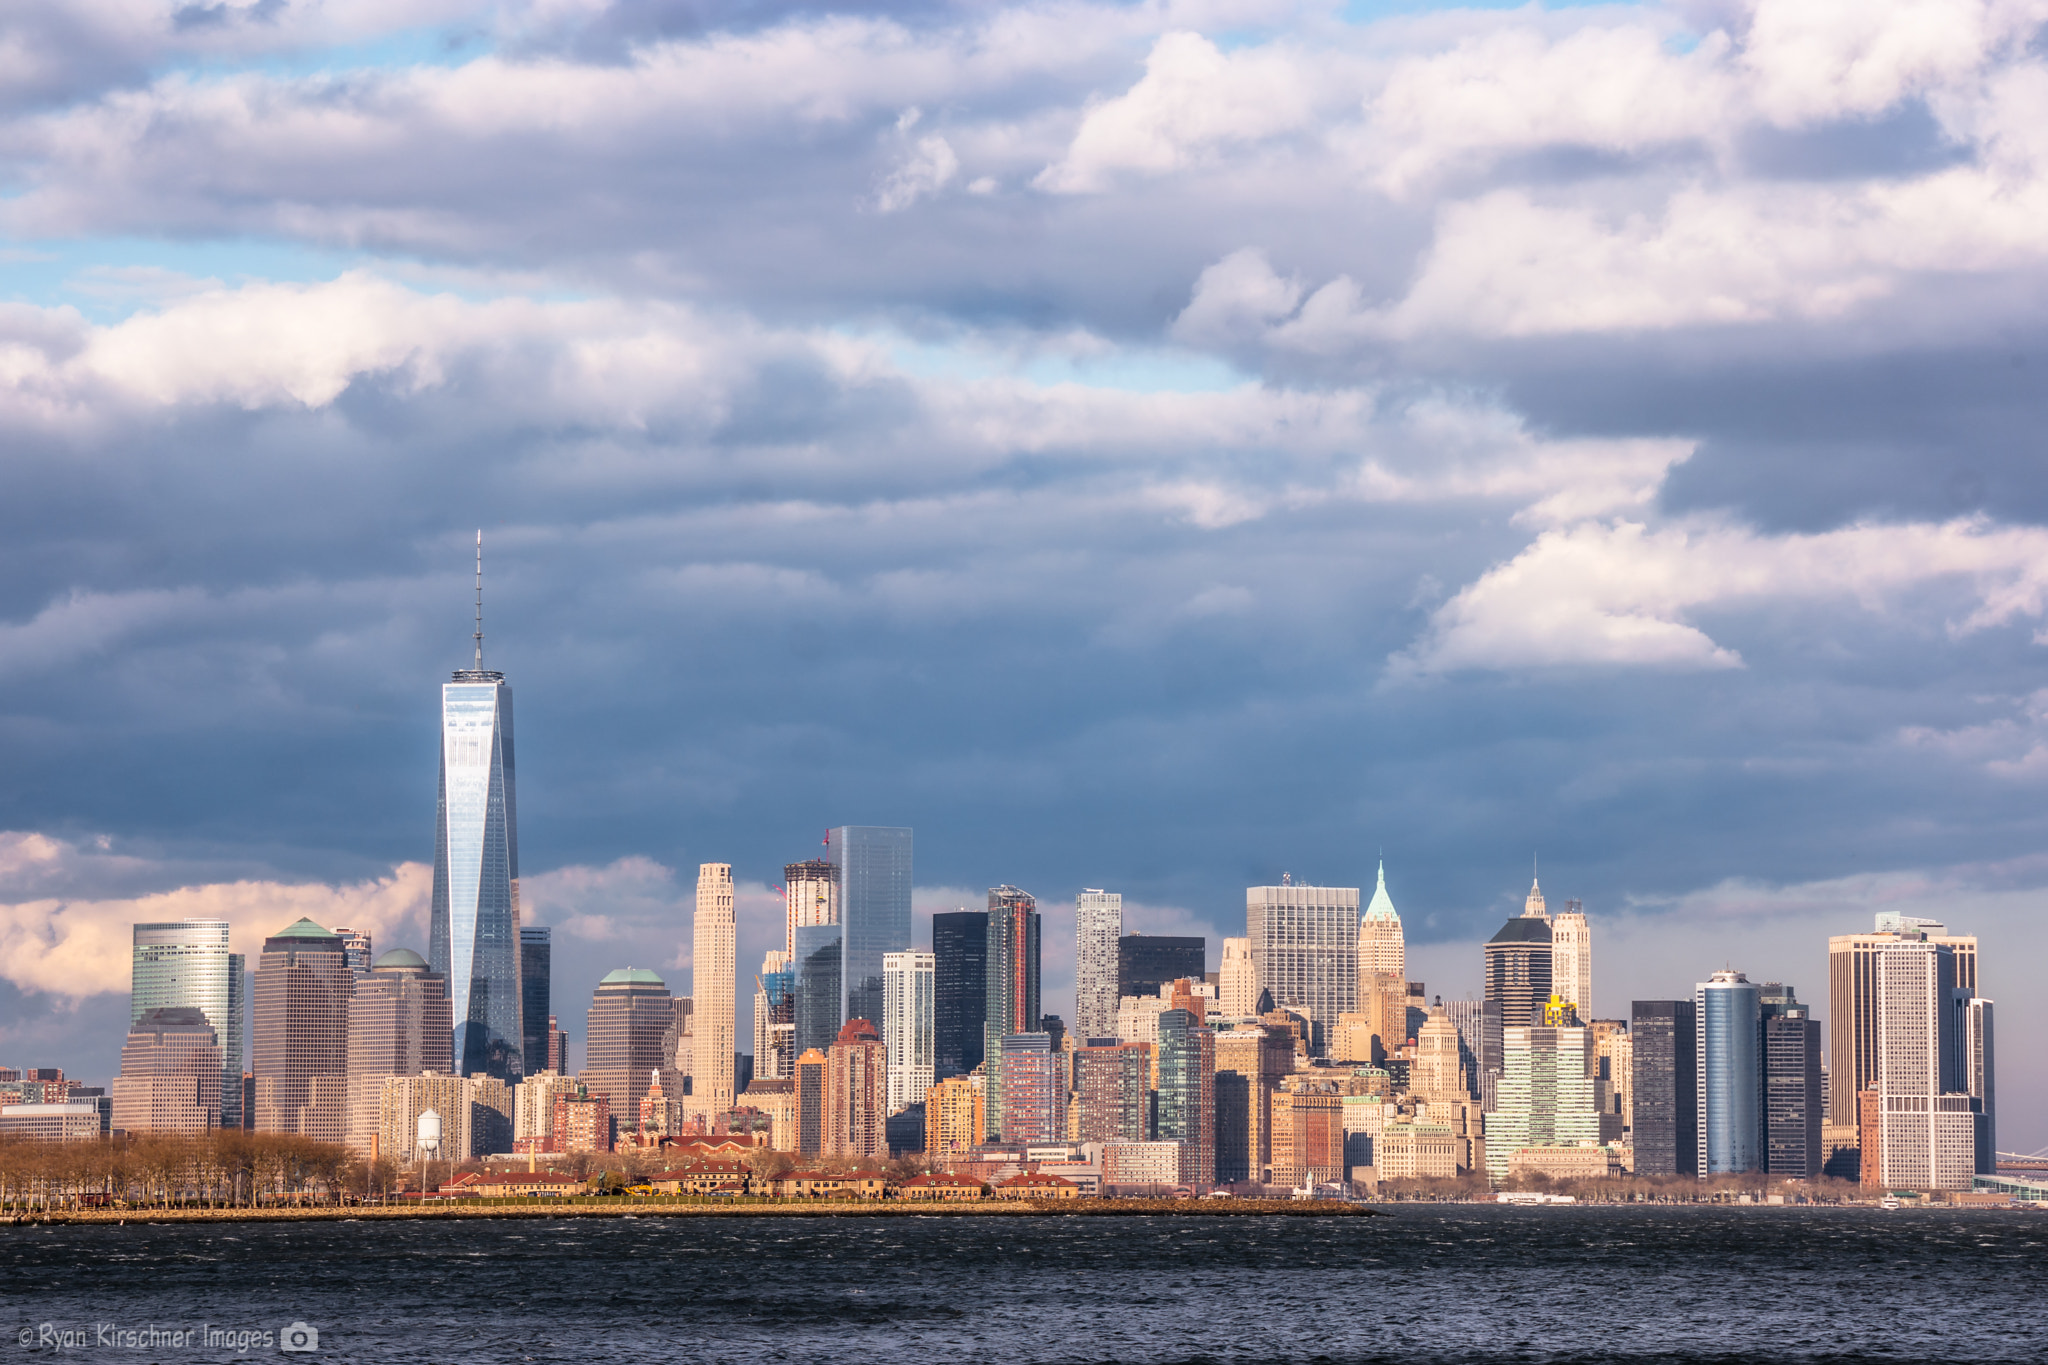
(479, 600)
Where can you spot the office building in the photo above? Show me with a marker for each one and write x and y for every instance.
(1791, 1071)
(1437, 1075)
(1730, 1068)
(1304, 942)
(1308, 1134)
(1187, 1093)
(1237, 983)
(1517, 981)
(1145, 962)
(1978, 1078)
(873, 864)
(1250, 1061)
(186, 963)
(1112, 1091)
(1571, 958)
(1612, 1062)
(631, 1012)
(1142, 1168)
(536, 993)
(583, 1123)
(558, 1046)
(1034, 1102)
(1546, 1093)
(820, 999)
(1012, 996)
(960, 991)
(775, 1018)
(1928, 1122)
(474, 937)
(356, 949)
(955, 1116)
(1381, 946)
(1532, 906)
(909, 985)
(1383, 1008)
(810, 897)
(79, 1121)
(399, 1024)
(856, 1093)
(1664, 1085)
(714, 991)
(813, 1102)
(170, 1073)
(1852, 1000)
(300, 1031)
(1098, 927)
(1469, 1018)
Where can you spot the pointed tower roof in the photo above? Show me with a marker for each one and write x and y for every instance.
(1381, 906)
(1533, 907)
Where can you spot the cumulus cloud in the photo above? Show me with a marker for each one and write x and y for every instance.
(1619, 593)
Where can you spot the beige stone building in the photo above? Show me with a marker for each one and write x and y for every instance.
(1408, 1150)
(713, 993)
(1564, 1162)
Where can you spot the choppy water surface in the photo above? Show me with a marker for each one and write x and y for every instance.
(1443, 1284)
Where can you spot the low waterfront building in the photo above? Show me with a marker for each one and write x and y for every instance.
(1562, 1162)
(1140, 1165)
(1037, 1185)
(945, 1187)
(75, 1122)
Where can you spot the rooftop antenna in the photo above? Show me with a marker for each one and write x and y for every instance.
(479, 600)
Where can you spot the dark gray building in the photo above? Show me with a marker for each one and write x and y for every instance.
(1145, 962)
(1517, 989)
(1665, 1037)
(1792, 1099)
(536, 967)
(960, 990)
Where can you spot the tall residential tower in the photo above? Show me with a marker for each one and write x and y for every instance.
(714, 944)
(1099, 923)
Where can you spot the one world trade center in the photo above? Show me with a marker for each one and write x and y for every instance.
(475, 932)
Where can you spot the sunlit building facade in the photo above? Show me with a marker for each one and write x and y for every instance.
(186, 963)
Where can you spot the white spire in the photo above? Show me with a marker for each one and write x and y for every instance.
(1533, 907)
(479, 600)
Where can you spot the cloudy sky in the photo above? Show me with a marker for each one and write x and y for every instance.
(1149, 446)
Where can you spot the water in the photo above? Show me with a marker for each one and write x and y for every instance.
(1444, 1283)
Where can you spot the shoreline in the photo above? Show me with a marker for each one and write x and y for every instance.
(983, 1208)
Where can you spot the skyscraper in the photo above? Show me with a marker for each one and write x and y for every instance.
(300, 1057)
(1381, 945)
(1852, 1000)
(856, 1093)
(170, 1073)
(1532, 906)
(1546, 1093)
(474, 943)
(960, 988)
(714, 989)
(1730, 1086)
(357, 949)
(1791, 1064)
(630, 1011)
(399, 1024)
(1978, 1079)
(1112, 1082)
(1665, 1086)
(810, 896)
(1187, 1093)
(1438, 1072)
(536, 993)
(874, 908)
(813, 1103)
(1927, 1120)
(1012, 967)
(1033, 1098)
(1571, 958)
(1145, 962)
(775, 1018)
(1304, 942)
(1237, 982)
(186, 963)
(1469, 1018)
(1518, 982)
(1099, 923)
(908, 982)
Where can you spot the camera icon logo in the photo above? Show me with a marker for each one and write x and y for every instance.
(298, 1337)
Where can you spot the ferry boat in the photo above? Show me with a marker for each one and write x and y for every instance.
(1889, 1202)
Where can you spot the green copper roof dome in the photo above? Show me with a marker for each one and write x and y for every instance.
(402, 958)
(305, 928)
(632, 976)
(1381, 907)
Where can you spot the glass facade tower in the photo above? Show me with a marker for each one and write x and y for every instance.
(1730, 1074)
(475, 933)
(874, 909)
(960, 1008)
(186, 964)
(536, 990)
